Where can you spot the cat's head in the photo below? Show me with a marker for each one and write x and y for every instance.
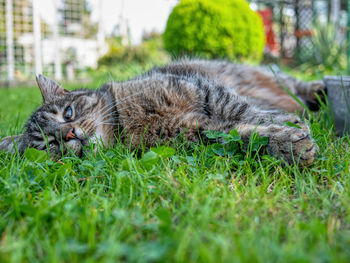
(66, 121)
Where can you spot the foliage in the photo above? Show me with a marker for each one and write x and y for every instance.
(182, 202)
(231, 145)
(150, 50)
(328, 53)
(215, 29)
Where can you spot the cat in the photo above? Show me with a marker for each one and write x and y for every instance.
(187, 97)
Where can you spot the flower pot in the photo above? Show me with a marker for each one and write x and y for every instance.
(338, 92)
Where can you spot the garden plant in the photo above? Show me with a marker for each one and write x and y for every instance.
(215, 29)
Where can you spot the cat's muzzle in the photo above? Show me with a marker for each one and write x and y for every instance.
(72, 141)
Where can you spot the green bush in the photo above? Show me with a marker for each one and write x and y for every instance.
(149, 51)
(215, 29)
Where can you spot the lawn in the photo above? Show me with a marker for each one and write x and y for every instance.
(183, 202)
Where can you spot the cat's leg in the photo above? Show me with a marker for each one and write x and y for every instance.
(294, 145)
(307, 91)
(229, 111)
(269, 90)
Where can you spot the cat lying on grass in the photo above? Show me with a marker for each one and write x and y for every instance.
(185, 97)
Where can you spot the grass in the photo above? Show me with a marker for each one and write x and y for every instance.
(180, 203)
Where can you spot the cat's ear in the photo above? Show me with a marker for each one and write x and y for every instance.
(50, 89)
(10, 143)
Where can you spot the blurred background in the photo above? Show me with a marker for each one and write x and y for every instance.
(76, 39)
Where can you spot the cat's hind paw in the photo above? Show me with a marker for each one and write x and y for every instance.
(316, 89)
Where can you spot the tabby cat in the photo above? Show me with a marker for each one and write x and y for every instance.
(185, 97)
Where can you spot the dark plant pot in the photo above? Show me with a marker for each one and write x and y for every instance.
(338, 92)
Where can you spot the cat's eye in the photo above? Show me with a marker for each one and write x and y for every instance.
(52, 144)
(68, 113)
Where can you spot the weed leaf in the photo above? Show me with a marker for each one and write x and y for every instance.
(149, 160)
(35, 156)
(164, 151)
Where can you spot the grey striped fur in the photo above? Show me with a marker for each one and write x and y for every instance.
(187, 97)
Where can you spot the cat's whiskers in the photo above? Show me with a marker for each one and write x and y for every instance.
(107, 118)
(108, 113)
(107, 110)
(104, 123)
(108, 105)
(113, 105)
(85, 126)
(115, 113)
(109, 121)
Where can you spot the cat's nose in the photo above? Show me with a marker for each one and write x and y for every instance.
(69, 134)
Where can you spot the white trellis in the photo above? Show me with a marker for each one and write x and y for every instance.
(54, 42)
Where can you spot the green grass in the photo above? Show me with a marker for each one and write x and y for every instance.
(185, 205)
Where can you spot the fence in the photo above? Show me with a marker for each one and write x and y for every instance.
(52, 39)
(54, 36)
(294, 20)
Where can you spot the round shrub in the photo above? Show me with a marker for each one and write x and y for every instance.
(215, 29)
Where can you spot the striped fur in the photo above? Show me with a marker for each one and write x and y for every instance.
(187, 97)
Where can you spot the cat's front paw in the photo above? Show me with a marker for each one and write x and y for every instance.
(292, 144)
(290, 120)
